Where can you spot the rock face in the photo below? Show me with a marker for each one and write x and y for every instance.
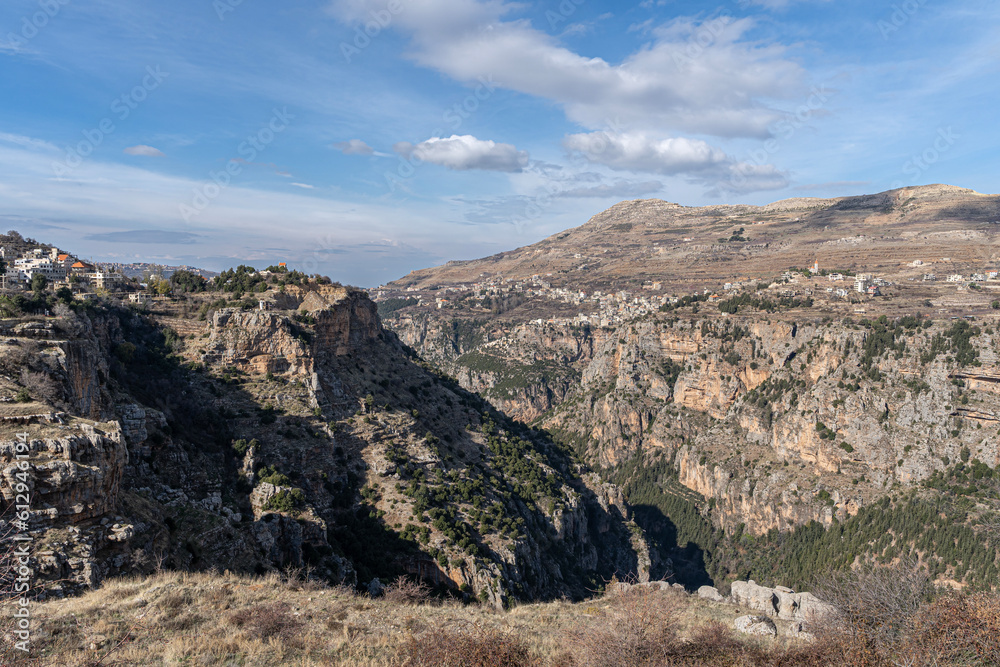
(779, 602)
(775, 422)
(261, 341)
(73, 478)
(523, 369)
(779, 424)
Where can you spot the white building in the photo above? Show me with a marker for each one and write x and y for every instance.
(29, 267)
(103, 279)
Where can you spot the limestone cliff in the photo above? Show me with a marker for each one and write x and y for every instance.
(776, 422)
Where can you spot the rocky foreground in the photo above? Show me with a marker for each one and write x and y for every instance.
(210, 619)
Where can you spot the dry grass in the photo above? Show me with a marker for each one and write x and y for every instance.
(478, 646)
(209, 619)
(206, 619)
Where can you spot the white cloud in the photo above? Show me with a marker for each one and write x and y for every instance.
(343, 237)
(26, 142)
(354, 147)
(694, 159)
(143, 151)
(304, 186)
(674, 83)
(466, 152)
(636, 152)
(618, 190)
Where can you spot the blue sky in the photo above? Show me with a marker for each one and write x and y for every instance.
(366, 138)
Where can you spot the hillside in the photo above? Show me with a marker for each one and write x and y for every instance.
(947, 228)
(768, 423)
(289, 430)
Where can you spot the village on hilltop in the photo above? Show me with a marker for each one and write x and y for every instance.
(28, 265)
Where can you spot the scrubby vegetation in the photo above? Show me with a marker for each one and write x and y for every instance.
(884, 620)
(745, 301)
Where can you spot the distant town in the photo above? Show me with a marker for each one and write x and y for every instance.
(29, 265)
(612, 307)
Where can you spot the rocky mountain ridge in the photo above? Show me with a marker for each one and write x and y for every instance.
(297, 437)
(693, 247)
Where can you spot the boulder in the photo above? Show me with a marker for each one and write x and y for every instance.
(656, 585)
(759, 598)
(779, 602)
(811, 608)
(710, 593)
(760, 626)
(618, 588)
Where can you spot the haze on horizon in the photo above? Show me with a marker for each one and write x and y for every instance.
(363, 139)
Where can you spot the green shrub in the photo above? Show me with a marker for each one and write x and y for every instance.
(286, 500)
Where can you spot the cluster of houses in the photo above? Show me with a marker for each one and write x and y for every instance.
(58, 269)
(617, 307)
(974, 278)
(864, 283)
(612, 308)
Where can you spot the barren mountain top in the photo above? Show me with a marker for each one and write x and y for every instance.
(651, 239)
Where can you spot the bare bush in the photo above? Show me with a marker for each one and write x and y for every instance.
(14, 358)
(407, 591)
(955, 630)
(267, 621)
(41, 386)
(873, 607)
(640, 628)
(476, 647)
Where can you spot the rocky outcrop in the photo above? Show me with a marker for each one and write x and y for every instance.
(69, 479)
(525, 370)
(261, 341)
(266, 445)
(347, 323)
(779, 602)
(710, 593)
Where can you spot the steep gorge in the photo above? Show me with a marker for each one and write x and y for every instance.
(299, 435)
